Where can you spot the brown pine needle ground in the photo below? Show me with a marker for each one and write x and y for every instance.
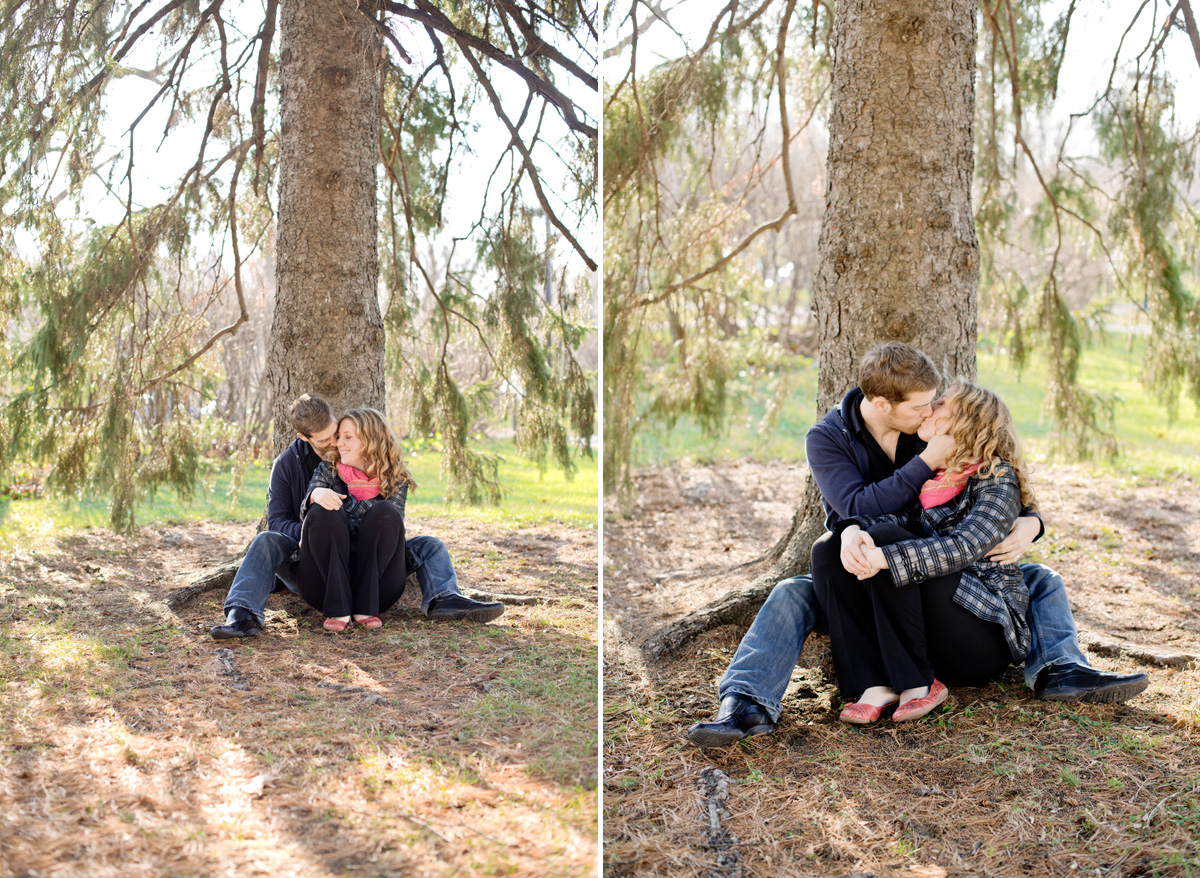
(134, 744)
(995, 783)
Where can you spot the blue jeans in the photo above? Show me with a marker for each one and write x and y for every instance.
(762, 666)
(270, 554)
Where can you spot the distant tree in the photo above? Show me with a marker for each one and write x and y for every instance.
(108, 346)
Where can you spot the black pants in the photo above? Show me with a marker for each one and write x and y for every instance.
(882, 635)
(341, 575)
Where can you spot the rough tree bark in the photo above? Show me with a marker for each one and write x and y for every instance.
(898, 258)
(327, 336)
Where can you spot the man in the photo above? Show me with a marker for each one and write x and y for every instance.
(271, 552)
(867, 460)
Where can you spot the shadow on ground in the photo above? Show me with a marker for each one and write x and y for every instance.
(136, 744)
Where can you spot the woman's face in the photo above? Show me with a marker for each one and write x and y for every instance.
(938, 423)
(349, 445)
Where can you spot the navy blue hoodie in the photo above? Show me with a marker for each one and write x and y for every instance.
(290, 476)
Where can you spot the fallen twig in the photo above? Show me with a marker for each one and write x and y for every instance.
(714, 787)
(226, 658)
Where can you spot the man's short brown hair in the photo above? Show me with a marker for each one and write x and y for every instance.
(894, 370)
(310, 415)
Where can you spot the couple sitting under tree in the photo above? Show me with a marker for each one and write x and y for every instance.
(928, 511)
(335, 531)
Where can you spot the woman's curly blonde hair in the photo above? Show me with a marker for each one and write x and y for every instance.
(983, 433)
(381, 451)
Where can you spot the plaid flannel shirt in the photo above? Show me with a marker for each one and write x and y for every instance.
(956, 537)
(326, 477)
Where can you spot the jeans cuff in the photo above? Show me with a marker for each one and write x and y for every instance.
(773, 708)
(1032, 671)
(444, 592)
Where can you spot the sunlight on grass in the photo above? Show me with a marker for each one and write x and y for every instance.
(530, 497)
(1150, 444)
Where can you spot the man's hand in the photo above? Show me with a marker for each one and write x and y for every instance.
(1009, 550)
(936, 450)
(856, 542)
(328, 498)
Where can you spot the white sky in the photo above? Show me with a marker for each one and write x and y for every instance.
(1096, 31)
(159, 165)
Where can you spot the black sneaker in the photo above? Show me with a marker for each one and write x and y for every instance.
(455, 606)
(239, 622)
(1080, 683)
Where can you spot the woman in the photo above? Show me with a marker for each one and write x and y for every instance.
(352, 540)
(921, 597)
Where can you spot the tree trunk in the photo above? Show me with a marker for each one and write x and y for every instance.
(327, 334)
(897, 257)
(327, 337)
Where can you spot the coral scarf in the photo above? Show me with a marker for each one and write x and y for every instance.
(944, 486)
(360, 485)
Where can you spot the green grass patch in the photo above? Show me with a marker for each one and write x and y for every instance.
(531, 497)
(1151, 445)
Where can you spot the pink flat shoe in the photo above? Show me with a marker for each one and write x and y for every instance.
(918, 707)
(336, 625)
(860, 714)
(370, 622)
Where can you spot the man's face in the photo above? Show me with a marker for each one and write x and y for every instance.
(323, 442)
(907, 416)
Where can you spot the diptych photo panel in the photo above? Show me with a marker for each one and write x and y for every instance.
(299, 438)
(624, 439)
(899, 555)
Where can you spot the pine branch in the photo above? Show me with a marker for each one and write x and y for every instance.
(431, 16)
(530, 167)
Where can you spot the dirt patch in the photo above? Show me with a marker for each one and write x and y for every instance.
(995, 783)
(134, 744)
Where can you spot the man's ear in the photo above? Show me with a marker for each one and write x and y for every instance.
(302, 436)
(881, 405)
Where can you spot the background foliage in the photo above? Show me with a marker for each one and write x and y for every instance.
(714, 190)
(138, 166)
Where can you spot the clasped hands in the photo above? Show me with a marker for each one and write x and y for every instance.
(861, 557)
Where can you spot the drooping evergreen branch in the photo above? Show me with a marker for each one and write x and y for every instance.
(429, 15)
(529, 165)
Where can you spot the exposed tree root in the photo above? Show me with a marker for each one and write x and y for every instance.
(789, 557)
(221, 578)
(1151, 655)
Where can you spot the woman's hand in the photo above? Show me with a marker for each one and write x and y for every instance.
(328, 498)
(1009, 550)
(859, 554)
(876, 561)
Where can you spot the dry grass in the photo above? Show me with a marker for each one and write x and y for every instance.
(995, 783)
(431, 749)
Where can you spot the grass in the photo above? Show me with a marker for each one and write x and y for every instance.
(1150, 444)
(531, 497)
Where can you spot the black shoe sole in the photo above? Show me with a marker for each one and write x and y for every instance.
(709, 737)
(223, 633)
(1111, 694)
(482, 616)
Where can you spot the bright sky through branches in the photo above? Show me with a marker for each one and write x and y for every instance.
(159, 161)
